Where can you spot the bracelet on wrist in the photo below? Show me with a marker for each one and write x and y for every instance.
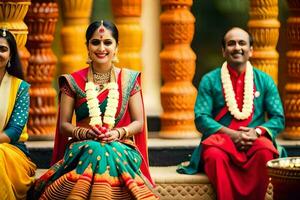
(126, 131)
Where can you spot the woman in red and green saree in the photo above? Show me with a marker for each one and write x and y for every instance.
(107, 155)
(16, 169)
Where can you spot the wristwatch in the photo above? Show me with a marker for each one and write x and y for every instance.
(258, 132)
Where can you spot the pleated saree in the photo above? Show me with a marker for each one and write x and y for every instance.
(91, 169)
(16, 169)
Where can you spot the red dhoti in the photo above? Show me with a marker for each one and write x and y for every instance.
(237, 174)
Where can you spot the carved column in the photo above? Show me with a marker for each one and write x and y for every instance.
(41, 20)
(264, 27)
(76, 14)
(178, 94)
(127, 15)
(12, 13)
(292, 87)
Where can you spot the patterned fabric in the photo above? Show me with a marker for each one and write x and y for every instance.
(16, 169)
(20, 113)
(91, 169)
(210, 103)
(67, 90)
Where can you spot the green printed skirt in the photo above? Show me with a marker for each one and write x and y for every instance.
(94, 170)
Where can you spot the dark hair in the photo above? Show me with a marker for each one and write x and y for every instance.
(15, 68)
(107, 24)
(249, 34)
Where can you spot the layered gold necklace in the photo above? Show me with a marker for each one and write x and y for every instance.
(101, 79)
(230, 95)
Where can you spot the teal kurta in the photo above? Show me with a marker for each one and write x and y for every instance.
(210, 101)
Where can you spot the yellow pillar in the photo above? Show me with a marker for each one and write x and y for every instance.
(41, 20)
(151, 76)
(12, 14)
(127, 14)
(264, 27)
(76, 14)
(292, 87)
(178, 94)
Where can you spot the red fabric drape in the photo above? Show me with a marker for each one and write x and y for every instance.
(140, 139)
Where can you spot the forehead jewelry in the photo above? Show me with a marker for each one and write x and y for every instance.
(101, 30)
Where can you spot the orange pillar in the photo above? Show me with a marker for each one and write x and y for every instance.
(76, 18)
(264, 26)
(127, 14)
(12, 13)
(178, 94)
(292, 87)
(41, 20)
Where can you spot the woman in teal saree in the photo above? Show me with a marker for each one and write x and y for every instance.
(107, 155)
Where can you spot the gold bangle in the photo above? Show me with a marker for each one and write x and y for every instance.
(126, 131)
(80, 133)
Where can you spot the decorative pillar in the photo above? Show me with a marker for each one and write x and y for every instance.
(12, 13)
(76, 15)
(264, 27)
(151, 76)
(127, 15)
(292, 87)
(41, 20)
(178, 94)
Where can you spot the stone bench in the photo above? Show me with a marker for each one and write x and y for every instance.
(173, 186)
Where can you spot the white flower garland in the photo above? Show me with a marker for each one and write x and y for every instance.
(230, 95)
(93, 104)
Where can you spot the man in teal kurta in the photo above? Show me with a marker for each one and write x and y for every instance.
(236, 144)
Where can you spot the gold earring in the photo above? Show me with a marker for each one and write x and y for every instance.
(8, 64)
(88, 60)
(115, 59)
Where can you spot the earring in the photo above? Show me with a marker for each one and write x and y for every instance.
(89, 60)
(115, 59)
(8, 64)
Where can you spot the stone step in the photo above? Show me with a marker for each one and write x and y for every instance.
(173, 186)
(162, 152)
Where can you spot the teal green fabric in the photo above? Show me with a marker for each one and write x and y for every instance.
(116, 157)
(19, 117)
(210, 101)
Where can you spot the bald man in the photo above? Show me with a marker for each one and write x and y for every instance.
(230, 111)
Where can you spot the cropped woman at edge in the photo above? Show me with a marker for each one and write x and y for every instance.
(16, 169)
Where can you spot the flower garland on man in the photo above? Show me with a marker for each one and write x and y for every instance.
(230, 112)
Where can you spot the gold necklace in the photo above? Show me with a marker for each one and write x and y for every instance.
(101, 78)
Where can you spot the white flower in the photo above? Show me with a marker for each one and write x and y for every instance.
(96, 121)
(93, 104)
(230, 95)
